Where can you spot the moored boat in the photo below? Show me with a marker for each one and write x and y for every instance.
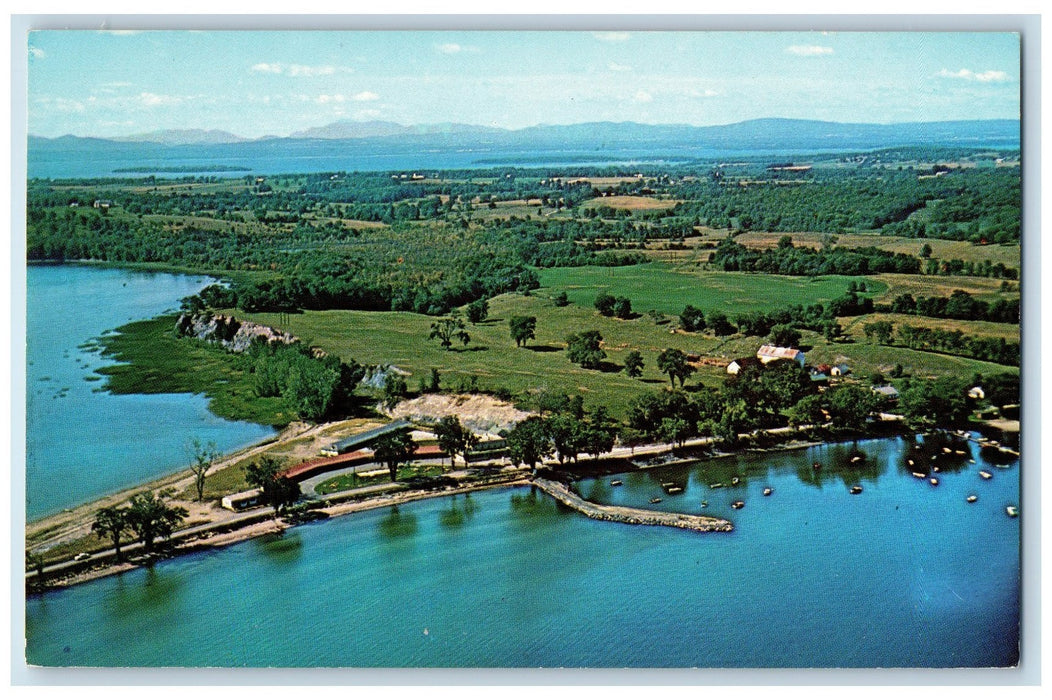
(986, 475)
(1012, 511)
(717, 485)
(768, 491)
(856, 490)
(655, 500)
(738, 505)
(616, 482)
(972, 498)
(934, 481)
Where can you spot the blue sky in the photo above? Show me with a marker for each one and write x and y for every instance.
(92, 83)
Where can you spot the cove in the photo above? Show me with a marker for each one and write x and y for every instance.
(81, 441)
(904, 574)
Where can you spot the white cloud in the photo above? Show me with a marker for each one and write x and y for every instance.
(643, 96)
(297, 70)
(330, 99)
(989, 76)
(703, 93)
(267, 68)
(618, 67)
(611, 36)
(62, 104)
(34, 52)
(810, 50)
(365, 96)
(150, 99)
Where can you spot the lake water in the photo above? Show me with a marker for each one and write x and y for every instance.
(905, 574)
(82, 442)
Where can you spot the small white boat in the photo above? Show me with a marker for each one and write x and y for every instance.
(857, 458)
(616, 482)
(655, 500)
(768, 491)
(919, 475)
(856, 490)
(738, 505)
(673, 490)
(935, 469)
(933, 481)
(717, 485)
(972, 498)
(1012, 511)
(986, 475)
(735, 481)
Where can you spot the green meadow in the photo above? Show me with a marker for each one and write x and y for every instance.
(658, 286)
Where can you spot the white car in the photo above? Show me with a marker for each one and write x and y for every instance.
(83, 556)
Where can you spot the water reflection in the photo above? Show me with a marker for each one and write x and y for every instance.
(282, 547)
(460, 511)
(397, 524)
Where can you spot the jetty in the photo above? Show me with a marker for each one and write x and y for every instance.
(631, 516)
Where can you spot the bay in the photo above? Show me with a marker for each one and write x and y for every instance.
(83, 442)
(904, 574)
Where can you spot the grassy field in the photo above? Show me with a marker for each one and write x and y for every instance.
(985, 329)
(630, 202)
(931, 286)
(661, 287)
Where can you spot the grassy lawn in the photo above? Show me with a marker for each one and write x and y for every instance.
(344, 482)
(865, 358)
(659, 286)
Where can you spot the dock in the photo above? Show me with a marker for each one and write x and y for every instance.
(630, 516)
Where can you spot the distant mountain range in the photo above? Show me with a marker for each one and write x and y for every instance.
(381, 146)
(752, 133)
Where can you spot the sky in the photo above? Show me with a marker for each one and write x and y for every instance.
(118, 83)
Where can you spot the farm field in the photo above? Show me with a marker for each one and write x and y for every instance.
(667, 289)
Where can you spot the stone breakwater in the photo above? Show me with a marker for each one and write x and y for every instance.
(630, 516)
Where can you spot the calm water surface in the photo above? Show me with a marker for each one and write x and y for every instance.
(82, 442)
(902, 575)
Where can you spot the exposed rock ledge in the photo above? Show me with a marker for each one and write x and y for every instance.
(631, 516)
(234, 335)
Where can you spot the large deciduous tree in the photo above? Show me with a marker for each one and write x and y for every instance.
(276, 490)
(584, 349)
(673, 362)
(529, 442)
(522, 328)
(394, 449)
(111, 522)
(150, 517)
(204, 455)
(449, 329)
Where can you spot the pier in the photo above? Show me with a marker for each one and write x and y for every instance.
(630, 516)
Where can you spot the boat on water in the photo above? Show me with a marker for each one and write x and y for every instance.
(857, 458)
(856, 490)
(935, 469)
(816, 466)
(919, 475)
(972, 498)
(655, 500)
(986, 475)
(768, 491)
(1012, 511)
(738, 505)
(616, 482)
(735, 481)
(704, 504)
(934, 481)
(717, 485)
(673, 490)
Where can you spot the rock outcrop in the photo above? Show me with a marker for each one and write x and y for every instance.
(234, 335)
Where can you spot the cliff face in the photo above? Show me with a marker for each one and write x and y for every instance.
(234, 335)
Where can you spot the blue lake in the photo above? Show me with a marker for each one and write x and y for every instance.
(82, 442)
(905, 574)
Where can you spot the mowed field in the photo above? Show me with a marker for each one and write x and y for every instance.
(401, 338)
(664, 288)
(630, 202)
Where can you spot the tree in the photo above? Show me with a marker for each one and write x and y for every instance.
(111, 522)
(561, 299)
(623, 307)
(673, 362)
(393, 449)
(942, 402)
(850, 406)
(634, 364)
(567, 436)
(522, 328)
(719, 323)
(807, 411)
(203, 456)
(478, 310)
(784, 336)
(528, 442)
(454, 438)
(692, 319)
(150, 517)
(832, 330)
(395, 389)
(883, 330)
(584, 349)
(925, 251)
(449, 329)
(604, 304)
(276, 490)
(674, 430)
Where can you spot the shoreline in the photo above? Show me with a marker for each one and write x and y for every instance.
(234, 528)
